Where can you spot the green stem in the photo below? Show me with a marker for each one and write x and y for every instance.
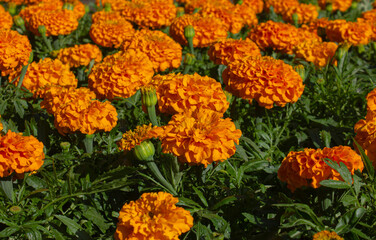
(190, 45)
(47, 42)
(22, 76)
(155, 170)
(88, 142)
(152, 115)
(186, 69)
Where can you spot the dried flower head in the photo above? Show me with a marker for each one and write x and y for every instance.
(307, 167)
(153, 216)
(200, 137)
(46, 72)
(6, 19)
(111, 33)
(229, 50)
(121, 74)
(162, 50)
(326, 235)
(133, 138)
(179, 93)
(265, 79)
(15, 50)
(340, 5)
(80, 55)
(355, 33)
(208, 30)
(19, 154)
(319, 53)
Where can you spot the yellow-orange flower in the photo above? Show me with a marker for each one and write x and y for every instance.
(178, 93)
(19, 154)
(208, 30)
(15, 50)
(46, 72)
(57, 22)
(306, 13)
(80, 55)
(307, 167)
(247, 13)
(319, 53)
(355, 33)
(1, 125)
(162, 50)
(152, 14)
(318, 26)
(365, 130)
(133, 138)
(153, 216)
(191, 5)
(326, 235)
(265, 79)
(229, 50)
(371, 101)
(103, 16)
(31, 10)
(6, 19)
(256, 5)
(78, 8)
(280, 6)
(111, 33)
(121, 74)
(341, 5)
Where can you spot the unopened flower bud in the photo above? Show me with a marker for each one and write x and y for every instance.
(300, 69)
(42, 30)
(15, 209)
(180, 11)
(107, 7)
(354, 5)
(12, 8)
(145, 151)
(149, 96)
(240, 2)
(189, 59)
(65, 146)
(320, 81)
(329, 8)
(68, 6)
(18, 20)
(189, 31)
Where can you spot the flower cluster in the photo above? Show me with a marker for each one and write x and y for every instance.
(15, 50)
(229, 50)
(306, 13)
(35, 9)
(319, 53)
(162, 50)
(6, 19)
(46, 72)
(116, 5)
(318, 26)
(80, 55)
(153, 216)
(191, 5)
(121, 74)
(256, 5)
(200, 137)
(153, 14)
(111, 33)
(133, 138)
(326, 235)
(340, 5)
(19, 154)
(265, 79)
(103, 16)
(307, 167)
(355, 33)
(208, 30)
(178, 93)
(280, 6)
(247, 14)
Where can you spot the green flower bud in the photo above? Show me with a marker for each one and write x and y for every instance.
(240, 2)
(145, 151)
(68, 6)
(42, 30)
(18, 20)
(295, 19)
(65, 146)
(180, 11)
(149, 96)
(15, 209)
(189, 31)
(12, 8)
(87, 9)
(329, 8)
(354, 5)
(189, 59)
(107, 7)
(300, 69)
(320, 81)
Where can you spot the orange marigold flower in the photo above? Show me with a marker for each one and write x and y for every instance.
(306, 13)
(46, 72)
(56, 96)
(319, 53)
(355, 33)
(31, 10)
(15, 50)
(326, 235)
(121, 74)
(365, 130)
(1, 125)
(162, 50)
(247, 13)
(371, 101)
(318, 26)
(6, 19)
(153, 216)
(200, 137)
(341, 5)
(256, 5)
(78, 8)
(369, 15)
(80, 55)
(111, 33)
(307, 167)
(191, 5)
(57, 22)
(207, 30)
(103, 16)
(133, 138)
(280, 6)
(229, 50)
(265, 79)
(153, 14)
(19, 154)
(179, 93)
(116, 5)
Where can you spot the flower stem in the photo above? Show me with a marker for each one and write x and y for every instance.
(186, 69)
(153, 115)
(22, 76)
(88, 142)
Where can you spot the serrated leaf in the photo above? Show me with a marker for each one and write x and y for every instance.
(56, 234)
(335, 184)
(93, 215)
(349, 220)
(19, 109)
(201, 196)
(72, 225)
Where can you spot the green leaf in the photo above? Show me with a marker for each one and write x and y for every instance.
(7, 232)
(241, 152)
(93, 215)
(224, 201)
(3, 107)
(301, 222)
(33, 234)
(360, 233)
(56, 234)
(19, 109)
(7, 186)
(250, 217)
(72, 225)
(188, 202)
(255, 165)
(335, 184)
(349, 220)
(36, 182)
(367, 162)
(201, 196)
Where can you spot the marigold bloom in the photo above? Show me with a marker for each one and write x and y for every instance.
(15, 50)
(265, 79)
(306, 13)
(116, 5)
(191, 5)
(256, 5)
(341, 5)
(326, 235)
(247, 13)
(46, 72)
(207, 30)
(80, 55)
(133, 138)
(31, 10)
(121, 74)
(1, 125)
(103, 16)
(6, 19)
(371, 101)
(152, 14)
(19, 154)
(153, 216)
(162, 50)
(365, 130)
(307, 167)
(229, 50)
(369, 15)
(280, 6)
(319, 53)
(57, 22)
(355, 33)
(179, 93)
(318, 26)
(200, 137)
(111, 33)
